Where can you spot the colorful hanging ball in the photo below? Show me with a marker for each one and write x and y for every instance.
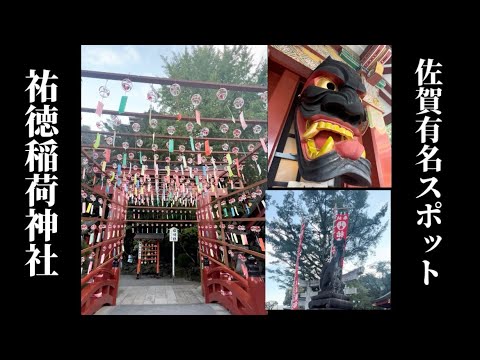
(198, 146)
(154, 147)
(99, 124)
(225, 147)
(171, 130)
(181, 148)
(119, 157)
(196, 99)
(152, 96)
(144, 158)
(205, 131)
(104, 92)
(222, 94)
(131, 155)
(237, 133)
(189, 127)
(167, 159)
(175, 89)
(251, 147)
(127, 85)
(235, 150)
(257, 129)
(109, 140)
(264, 96)
(153, 123)
(125, 145)
(116, 120)
(136, 127)
(224, 128)
(139, 142)
(238, 103)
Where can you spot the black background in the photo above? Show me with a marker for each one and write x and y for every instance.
(55, 301)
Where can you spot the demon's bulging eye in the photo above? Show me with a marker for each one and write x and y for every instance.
(326, 83)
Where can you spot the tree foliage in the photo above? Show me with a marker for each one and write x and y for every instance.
(316, 209)
(371, 286)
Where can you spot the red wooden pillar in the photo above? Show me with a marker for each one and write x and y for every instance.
(379, 153)
(279, 104)
(116, 277)
(256, 288)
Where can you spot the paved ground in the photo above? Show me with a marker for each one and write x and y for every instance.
(150, 296)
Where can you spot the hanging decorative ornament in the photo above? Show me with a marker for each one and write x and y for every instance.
(181, 148)
(135, 167)
(258, 192)
(153, 123)
(95, 156)
(116, 120)
(251, 147)
(175, 89)
(225, 147)
(257, 129)
(205, 131)
(255, 158)
(238, 103)
(235, 150)
(189, 127)
(237, 133)
(84, 227)
(144, 158)
(190, 161)
(222, 94)
(156, 157)
(114, 165)
(109, 140)
(136, 127)
(125, 145)
(264, 96)
(96, 169)
(152, 96)
(99, 124)
(198, 146)
(224, 159)
(196, 99)
(204, 159)
(167, 144)
(131, 156)
(127, 85)
(119, 157)
(167, 159)
(154, 147)
(224, 128)
(179, 158)
(104, 92)
(171, 130)
(139, 142)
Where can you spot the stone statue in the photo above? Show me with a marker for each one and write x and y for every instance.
(331, 277)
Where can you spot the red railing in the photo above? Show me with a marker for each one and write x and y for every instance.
(238, 295)
(100, 288)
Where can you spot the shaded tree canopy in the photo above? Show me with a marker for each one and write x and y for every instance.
(316, 208)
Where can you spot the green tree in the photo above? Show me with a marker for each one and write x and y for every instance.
(371, 286)
(288, 297)
(316, 209)
(270, 305)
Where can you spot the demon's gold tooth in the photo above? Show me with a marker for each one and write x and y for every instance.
(311, 131)
(327, 147)
(336, 128)
(364, 154)
(311, 149)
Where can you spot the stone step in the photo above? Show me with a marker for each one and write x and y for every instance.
(174, 309)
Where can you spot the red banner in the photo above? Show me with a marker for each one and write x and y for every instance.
(340, 228)
(295, 280)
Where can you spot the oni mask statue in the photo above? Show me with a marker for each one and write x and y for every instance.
(329, 123)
